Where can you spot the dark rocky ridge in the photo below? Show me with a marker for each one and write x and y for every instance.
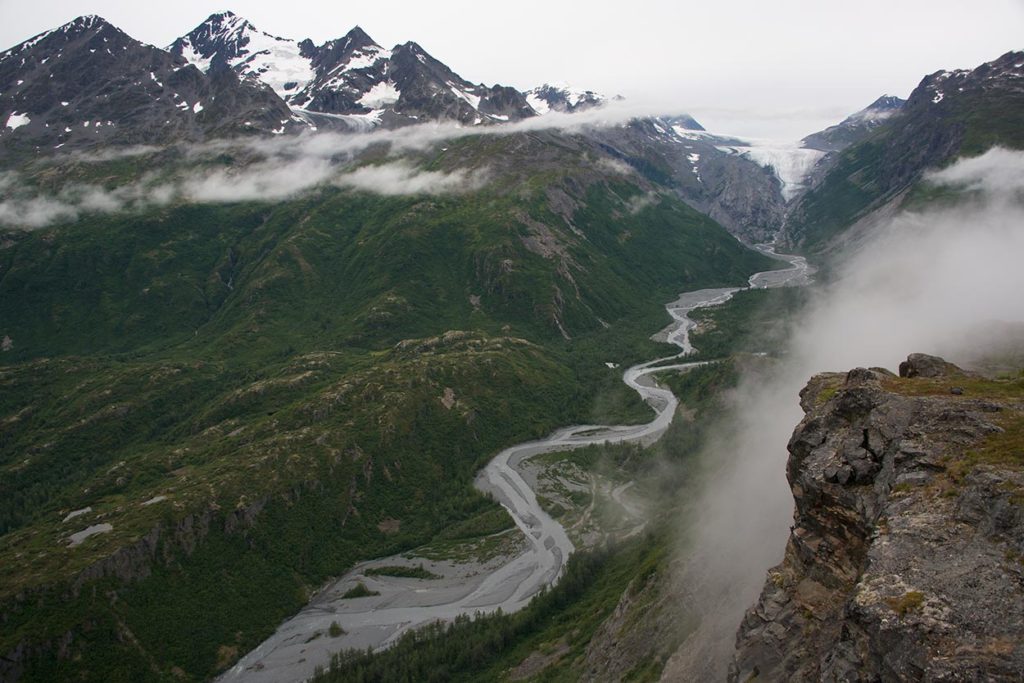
(850, 131)
(855, 127)
(904, 559)
(88, 84)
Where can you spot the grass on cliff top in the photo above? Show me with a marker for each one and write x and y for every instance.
(973, 387)
(908, 602)
(1002, 449)
(1005, 449)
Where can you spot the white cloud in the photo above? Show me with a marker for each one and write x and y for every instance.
(35, 212)
(400, 178)
(265, 181)
(113, 153)
(614, 165)
(998, 170)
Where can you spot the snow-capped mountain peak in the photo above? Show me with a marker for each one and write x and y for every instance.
(74, 27)
(879, 110)
(88, 84)
(351, 77)
(227, 23)
(349, 82)
(84, 22)
(562, 97)
(230, 39)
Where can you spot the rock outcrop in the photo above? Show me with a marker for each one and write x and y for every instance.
(904, 561)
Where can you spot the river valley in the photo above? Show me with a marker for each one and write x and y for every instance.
(522, 561)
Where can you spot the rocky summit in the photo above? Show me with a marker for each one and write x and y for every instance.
(905, 557)
(89, 84)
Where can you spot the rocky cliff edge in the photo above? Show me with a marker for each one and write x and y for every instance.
(905, 558)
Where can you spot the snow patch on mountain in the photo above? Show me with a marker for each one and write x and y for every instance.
(380, 95)
(562, 97)
(192, 57)
(539, 104)
(471, 100)
(366, 57)
(359, 123)
(574, 96)
(691, 134)
(277, 62)
(16, 120)
(694, 158)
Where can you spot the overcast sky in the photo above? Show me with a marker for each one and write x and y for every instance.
(778, 68)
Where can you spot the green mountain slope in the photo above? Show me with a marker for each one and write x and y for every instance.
(246, 398)
(950, 114)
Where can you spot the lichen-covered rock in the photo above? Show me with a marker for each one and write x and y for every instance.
(904, 561)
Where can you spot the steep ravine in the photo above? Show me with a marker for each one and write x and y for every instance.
(904, 562)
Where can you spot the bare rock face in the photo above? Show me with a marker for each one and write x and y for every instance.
(745, 198)
(904, 561)
(923, 365)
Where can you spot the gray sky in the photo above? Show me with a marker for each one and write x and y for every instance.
(779, 69)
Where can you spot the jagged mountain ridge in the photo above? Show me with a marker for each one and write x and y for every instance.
(351, 75)
(225, 38)
(89, 71)
(88, 82)
(354, 75)
(563, 98)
